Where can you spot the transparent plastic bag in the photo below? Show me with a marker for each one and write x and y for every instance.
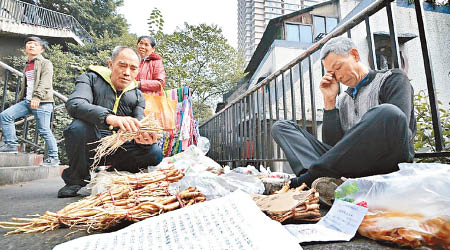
(192, 159)
(409, 207)
(249, 170)
(203, 144)
(213, 186)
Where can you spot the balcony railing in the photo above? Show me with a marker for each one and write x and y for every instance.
(11, 88)
(21, 12)
(240, 133)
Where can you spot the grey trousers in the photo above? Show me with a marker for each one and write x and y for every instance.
(375, 145)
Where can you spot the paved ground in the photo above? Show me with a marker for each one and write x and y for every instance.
(36, 197)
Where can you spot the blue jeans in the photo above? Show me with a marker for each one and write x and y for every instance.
(42, 115)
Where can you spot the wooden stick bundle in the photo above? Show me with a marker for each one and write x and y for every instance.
(130, 197)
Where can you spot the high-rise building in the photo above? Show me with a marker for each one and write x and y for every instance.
(254, 15)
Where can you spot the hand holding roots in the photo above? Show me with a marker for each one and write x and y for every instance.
(109, 144)
(130, 198)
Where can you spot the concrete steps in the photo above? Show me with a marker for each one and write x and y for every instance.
(20, 159)
(21, 167)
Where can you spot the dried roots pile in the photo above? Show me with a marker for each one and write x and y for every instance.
(130, 198)
(407, 229)
(109, 144)
(306, 210)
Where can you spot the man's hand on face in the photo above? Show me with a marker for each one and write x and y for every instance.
(146, 138)
(125, 123)
(34, 103)
(330, 89)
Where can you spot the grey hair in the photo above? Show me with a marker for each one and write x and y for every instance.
(338, 45)
(116, 51)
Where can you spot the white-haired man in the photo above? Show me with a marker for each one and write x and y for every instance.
(367, 130)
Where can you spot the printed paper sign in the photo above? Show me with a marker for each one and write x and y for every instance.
(340, 224)
(231, 222)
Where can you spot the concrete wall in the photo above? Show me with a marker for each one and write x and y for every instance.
(13, 45)
(10, 46)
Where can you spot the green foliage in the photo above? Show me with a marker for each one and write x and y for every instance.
(155, 22)
(199, 56)
(95, 16)
(424, 140)
(202, 112)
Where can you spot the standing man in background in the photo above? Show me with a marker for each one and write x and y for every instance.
(36, 97)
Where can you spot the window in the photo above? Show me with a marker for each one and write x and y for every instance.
(319, 25)
(305, 33)
(331, 23)
(323, 25)
(292, 32)
(298, 33)
(384, 57)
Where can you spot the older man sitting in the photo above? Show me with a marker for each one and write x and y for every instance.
(367, 130)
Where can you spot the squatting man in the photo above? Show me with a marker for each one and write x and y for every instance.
(106, 100)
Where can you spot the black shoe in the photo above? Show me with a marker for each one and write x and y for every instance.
(68, 191)
(298, 181)
(326, 186)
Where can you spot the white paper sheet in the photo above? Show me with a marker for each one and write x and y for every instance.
(231, 222)
(340, 224)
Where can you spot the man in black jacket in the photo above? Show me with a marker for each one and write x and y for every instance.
(105, 100)
(367, 130)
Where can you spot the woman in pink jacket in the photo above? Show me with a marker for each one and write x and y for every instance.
(151, 77)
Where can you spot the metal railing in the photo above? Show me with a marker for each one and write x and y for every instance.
(240, 133)
(13, 88)
(21, 12)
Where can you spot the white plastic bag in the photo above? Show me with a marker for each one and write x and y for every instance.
(214, 186)
(249, 170)
(203, 144)
(421, 188)
(409, 207)
(191, 160)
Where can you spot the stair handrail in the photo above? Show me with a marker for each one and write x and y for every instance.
(60, 96)
(26, 119)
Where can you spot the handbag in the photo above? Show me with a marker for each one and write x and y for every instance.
(162, 108)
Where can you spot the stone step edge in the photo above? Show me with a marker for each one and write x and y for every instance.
(13, 175)
(20, 159)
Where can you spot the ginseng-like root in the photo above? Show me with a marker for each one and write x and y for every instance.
(109, 144)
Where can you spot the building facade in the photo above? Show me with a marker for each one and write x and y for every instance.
(254, 15)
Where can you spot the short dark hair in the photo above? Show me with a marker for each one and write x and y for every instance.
(42, 42)
(116, 51)
(152, 40)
